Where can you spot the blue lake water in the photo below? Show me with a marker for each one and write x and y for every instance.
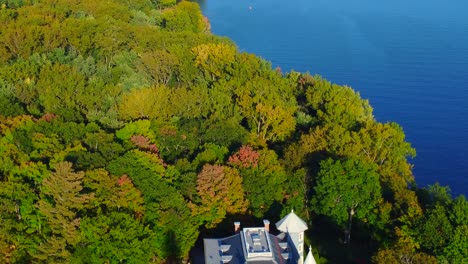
(409, 58)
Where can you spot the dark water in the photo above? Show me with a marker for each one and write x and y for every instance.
(408, 57)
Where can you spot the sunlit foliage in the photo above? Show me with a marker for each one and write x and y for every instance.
(128, 130)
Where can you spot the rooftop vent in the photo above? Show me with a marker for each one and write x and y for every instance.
(256, 239)
(225, 248)
(226, 258)
(283, 245)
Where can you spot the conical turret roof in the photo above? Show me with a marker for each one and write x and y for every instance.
(310, 257)
(291, 224)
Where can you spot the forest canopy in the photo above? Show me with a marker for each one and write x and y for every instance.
(128, 131)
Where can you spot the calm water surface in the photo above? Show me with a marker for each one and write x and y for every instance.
(409, 58)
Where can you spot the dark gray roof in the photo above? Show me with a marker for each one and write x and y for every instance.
(266, 249)
(214, 250)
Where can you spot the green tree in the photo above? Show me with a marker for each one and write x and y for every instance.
(21, 224)
(146, 103)
(101, 148)
(215, 60)
(269, 106)
(398, 256)
(260, 168)
(113, 238)
(59, 86)
(456, 251)
(434, 231)
(164, 3)
(337, 104)
(459, 211)
(161, 65)
(177, 142)
(211, 153)
(190, 102)
(166, 211)
(185, 16)
(381, 144)
(347, 189)
(112, 193)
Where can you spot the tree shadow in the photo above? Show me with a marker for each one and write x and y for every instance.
(273, 214)
(327, 238)
(171, 248)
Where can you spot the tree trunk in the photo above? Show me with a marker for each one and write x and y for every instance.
(348, 230)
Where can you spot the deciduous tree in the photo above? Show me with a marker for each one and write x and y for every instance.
(61, 201)
(260, 168)
(345, 190)
(221, 193)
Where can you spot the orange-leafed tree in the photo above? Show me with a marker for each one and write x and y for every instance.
(221, 193)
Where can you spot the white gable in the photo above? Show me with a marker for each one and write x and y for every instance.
(291, 224)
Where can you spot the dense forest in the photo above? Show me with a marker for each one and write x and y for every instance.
(128, 131)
